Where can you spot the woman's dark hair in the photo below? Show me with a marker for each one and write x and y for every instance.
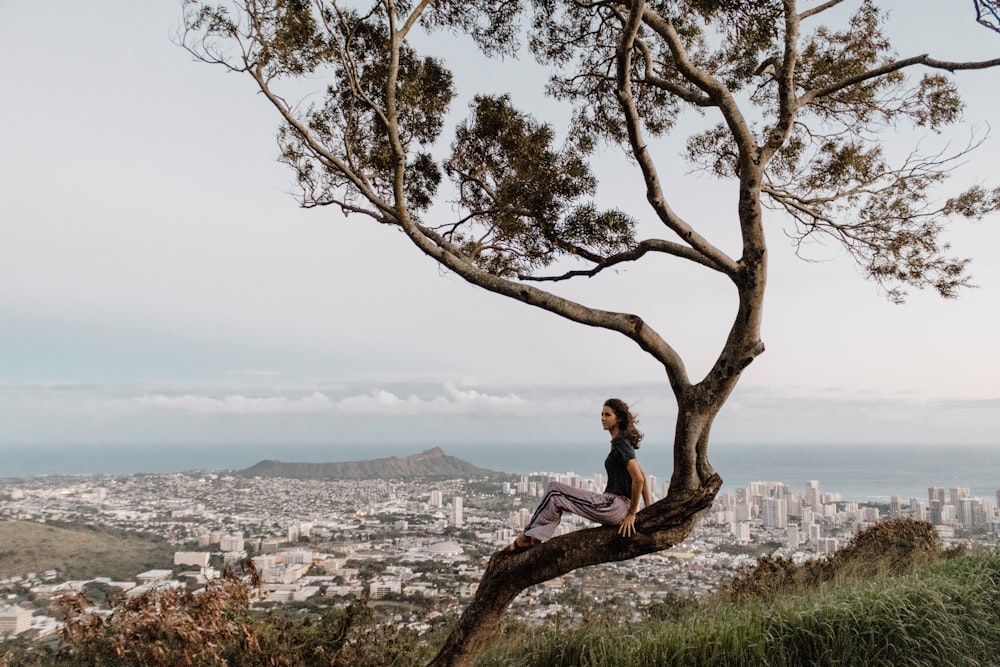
(626, 421)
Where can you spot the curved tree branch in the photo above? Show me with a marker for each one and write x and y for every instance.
(632, 326)
(691, 95)
(924, 59)
(660, 526)
(712, 87)
(787, 103)
(821, 8)
(654, 192)
(644, 247)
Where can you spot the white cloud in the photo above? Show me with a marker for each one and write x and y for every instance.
(238, 405)
(450, 400)
(455, 401)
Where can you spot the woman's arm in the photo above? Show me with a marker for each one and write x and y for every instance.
(627, 527)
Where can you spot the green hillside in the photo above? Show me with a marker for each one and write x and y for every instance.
(944, 613)
(78, 552)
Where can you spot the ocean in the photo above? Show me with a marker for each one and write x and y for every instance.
(872, 472)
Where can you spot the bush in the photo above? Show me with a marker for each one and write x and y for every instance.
(887, 547)
(215, 627)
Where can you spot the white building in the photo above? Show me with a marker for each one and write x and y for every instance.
(153, 576)
(741, 531)
(14, 620)
(379, 589)
(232, 542)
(895, 507)
(196, 558)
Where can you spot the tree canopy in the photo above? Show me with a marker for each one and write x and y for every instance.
(793, 101)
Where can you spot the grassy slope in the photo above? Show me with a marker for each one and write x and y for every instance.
(946, 614)
(78, 553)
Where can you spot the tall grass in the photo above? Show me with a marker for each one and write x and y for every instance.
(942, 614)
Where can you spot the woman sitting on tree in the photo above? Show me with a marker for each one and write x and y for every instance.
(620, 500)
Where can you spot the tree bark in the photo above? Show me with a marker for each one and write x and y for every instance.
(660, 526)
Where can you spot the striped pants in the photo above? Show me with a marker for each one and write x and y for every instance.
(605, 508)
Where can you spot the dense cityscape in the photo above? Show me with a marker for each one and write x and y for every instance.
(424, 544)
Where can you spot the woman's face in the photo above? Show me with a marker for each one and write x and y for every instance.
(609, 421)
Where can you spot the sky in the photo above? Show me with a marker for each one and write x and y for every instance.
(159, 283)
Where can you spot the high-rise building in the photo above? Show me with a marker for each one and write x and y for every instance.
(435, 499)
(957, 494)
(895, 507)
(972, 513)
(741, 531)
(456, 511)
(949, 514)
(868, 515)
(794, 503)
(935, 501)
(812, 495)
(774, 512)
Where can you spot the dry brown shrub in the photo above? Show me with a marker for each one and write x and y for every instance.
(165, 627)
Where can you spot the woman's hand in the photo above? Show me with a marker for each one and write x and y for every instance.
(627, 527)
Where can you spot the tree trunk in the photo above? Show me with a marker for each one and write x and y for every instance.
(660, 526)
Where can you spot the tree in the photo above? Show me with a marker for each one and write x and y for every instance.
(798, 119)
(988, 14)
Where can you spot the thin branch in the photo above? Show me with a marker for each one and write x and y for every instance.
(654, 192)
(632, 326)
(687, 94)
(924, 59)
(723, 98)
(314, 145)
(816, 10)
(414, 15)
(644, 247)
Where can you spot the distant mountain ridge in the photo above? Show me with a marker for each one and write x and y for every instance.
(430, 463)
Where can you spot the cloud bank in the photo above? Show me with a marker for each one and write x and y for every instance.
(452, 400)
